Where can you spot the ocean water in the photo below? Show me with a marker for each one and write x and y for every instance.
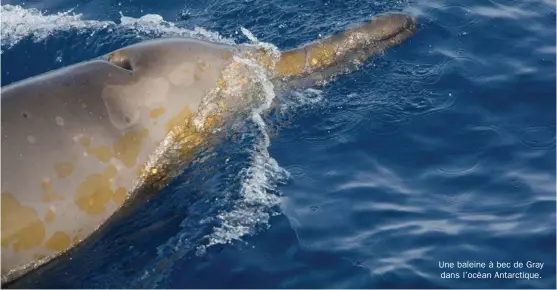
(440, 151)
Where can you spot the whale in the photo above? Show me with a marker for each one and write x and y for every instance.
(86, 144)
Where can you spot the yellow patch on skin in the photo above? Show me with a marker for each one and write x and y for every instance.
(321, 55)
(49, 216)
(21, 226)
(84, 141)
(155, 113)
(212, 121)
(93, 194)
(59, 241)
(179, 119)
(110, 172)
(188, 137)
(222, 106)
(49, 195)
(103, 153)
(63, 169)
(265, 59)
(196, 77)
(128, 146)
(119, 196)
(221, 84)
(291, 63)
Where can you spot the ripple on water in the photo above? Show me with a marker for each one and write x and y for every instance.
(299, 173)
(467, 16)
(338, 125)
(462, 166)
(386, 121)
(428, 102)
(538, 137)
(422, 73)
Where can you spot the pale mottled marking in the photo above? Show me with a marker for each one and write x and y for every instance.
(123, 109)
(155, 90)
(183, 75)
(59, 121)
(31, 139)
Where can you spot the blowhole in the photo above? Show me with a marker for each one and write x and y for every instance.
(120, 61)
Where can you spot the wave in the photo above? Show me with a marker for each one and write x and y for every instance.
(19, 23)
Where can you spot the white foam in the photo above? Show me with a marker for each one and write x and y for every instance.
(258, 180)
(265, 45)
(18, 23)
(301, 99)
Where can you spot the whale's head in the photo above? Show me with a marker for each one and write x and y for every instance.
(389, 30)
(375, 36)
(337, 53)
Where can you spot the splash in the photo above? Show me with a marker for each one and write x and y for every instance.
(18, 23)
(264, 45)
(300, 99)
(259, 180)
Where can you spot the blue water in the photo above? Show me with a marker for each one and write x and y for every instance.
(440, 150)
